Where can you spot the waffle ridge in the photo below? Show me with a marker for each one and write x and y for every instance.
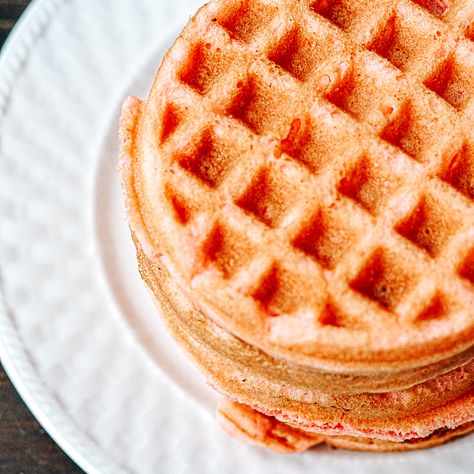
(363, 210)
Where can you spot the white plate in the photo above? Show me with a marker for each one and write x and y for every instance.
(78, 334)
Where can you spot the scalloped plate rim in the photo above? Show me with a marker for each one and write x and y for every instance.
(11, 346)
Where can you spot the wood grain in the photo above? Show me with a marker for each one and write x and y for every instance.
(24, 446)
(10, 10)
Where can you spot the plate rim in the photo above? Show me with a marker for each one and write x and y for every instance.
(83, 450)
(13, 355)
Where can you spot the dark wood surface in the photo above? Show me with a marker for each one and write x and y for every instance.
(10, 11)
(25, 448)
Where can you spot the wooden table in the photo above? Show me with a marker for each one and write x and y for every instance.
(25, 448)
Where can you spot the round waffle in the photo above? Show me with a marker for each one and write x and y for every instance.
(300, 183)
(249, 425)
(290, 409)
(306, 168)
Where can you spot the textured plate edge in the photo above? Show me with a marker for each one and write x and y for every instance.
(33, 28)
(13, 355)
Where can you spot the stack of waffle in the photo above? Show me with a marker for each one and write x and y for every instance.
(300, 188)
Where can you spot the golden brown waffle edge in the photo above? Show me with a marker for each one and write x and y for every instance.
(305, 171)
(246, 424)
(217, 364)
(318, 203)
(442, 401)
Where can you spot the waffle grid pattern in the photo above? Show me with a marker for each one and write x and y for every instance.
(386, 222)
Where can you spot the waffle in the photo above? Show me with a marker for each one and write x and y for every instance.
(307, 170)
(300, 183)
(287, 400)
(244, 423)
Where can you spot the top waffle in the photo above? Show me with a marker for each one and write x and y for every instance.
(306, 169)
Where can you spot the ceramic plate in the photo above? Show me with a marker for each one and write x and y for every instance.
(79, 335)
